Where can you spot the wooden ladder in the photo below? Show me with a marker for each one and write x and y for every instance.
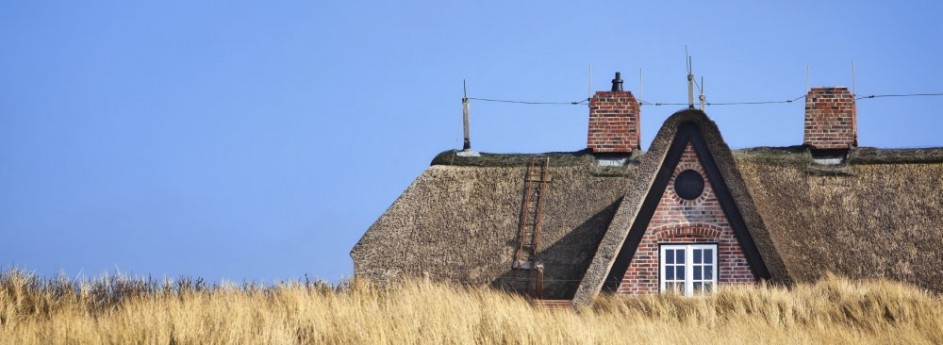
(528, 271)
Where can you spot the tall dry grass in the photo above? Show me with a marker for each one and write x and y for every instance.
(120, 310)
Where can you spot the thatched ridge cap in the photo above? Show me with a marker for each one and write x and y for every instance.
(557, 159)
(871, 155)
(858, 155)
(766, 154)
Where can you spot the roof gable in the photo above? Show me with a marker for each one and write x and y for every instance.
(689, 127)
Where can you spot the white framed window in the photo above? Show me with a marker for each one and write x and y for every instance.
(688, 268)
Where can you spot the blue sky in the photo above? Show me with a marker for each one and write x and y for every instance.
(258, 140)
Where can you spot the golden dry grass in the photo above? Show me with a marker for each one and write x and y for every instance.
(117, 310)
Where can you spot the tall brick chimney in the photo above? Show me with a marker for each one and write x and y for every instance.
(831, 121)
(613, 120)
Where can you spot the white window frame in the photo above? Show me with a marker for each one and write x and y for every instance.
(688, 265)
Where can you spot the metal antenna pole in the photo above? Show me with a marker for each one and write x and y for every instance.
(853, 93)
(589, 83)
(806, 78)
(467, 145)
(690, 84)
(641, 97)
(702, 97)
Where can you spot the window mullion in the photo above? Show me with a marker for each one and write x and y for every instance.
(688, 270)
(661, 268)
(716, 267)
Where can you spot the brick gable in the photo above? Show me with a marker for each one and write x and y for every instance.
(678, 221)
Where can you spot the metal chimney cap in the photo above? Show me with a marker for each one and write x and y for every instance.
(617, 82)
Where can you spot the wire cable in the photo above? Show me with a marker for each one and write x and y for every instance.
(724, 103)
(657, 104)
(901, 95)
(643, 102)
(528, 102)
(755, 103)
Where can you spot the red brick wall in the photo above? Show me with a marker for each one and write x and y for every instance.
(830, 118)
(679, 221)
(613, 122)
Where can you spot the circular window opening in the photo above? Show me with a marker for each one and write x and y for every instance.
(689, 185)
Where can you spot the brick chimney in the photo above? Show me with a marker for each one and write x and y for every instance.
(831, 121)
(613, 120)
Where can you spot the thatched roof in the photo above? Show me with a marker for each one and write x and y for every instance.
(876, 217)
(879, 215)
(459, 221)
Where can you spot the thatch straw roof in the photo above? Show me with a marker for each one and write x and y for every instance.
(459, 222)
(879, 215)
(862, 220)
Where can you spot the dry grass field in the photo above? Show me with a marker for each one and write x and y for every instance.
(119, 310)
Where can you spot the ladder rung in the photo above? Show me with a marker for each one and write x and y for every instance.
(524, 264)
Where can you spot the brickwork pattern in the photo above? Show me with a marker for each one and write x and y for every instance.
(830, 118)
(679, 221)
(613, 122)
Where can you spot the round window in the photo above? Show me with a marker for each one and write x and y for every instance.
(689, 185)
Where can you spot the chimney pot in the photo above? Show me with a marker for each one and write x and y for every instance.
(617, 82)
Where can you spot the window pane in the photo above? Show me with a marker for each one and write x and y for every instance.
(675, 268)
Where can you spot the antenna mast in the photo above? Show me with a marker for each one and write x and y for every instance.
(853, 93)
(690, 79)
(641, 97)
(807, 78)
(467, 145)
(702, 97)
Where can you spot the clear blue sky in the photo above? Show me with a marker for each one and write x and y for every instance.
(259, 140)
